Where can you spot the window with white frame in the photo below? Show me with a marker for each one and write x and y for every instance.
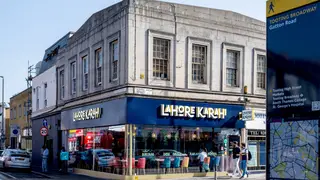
(261, 71)
(15, 112)
(20, 110)
(45, 94)
(25, 105)
(85, 71)
(62, 84)
(114, 45)
(98, 71)
(199, 63)
(37, 98)
(232, 68)
(73, 78)
(161, 58)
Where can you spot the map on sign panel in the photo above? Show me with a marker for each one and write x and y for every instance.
(294, 147)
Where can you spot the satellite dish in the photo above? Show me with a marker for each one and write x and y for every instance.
(38, 66)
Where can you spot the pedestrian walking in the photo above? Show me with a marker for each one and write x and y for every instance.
(236, 158)
(64, 157)
(45, 155)
(201, 156)
(244, 157)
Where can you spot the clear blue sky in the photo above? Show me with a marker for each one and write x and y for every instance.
(29, 27)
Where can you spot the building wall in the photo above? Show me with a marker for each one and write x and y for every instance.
(137, 24)
(52, 141)
(19, 115)
(186, 25)
(97, 32)
(47, 94)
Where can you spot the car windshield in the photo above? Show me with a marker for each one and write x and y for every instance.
(104, 153)
(19, 154)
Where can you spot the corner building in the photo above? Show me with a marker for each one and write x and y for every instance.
(146, 83)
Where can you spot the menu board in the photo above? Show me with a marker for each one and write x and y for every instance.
(252, 147)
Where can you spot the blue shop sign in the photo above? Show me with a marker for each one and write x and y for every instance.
(182, 113)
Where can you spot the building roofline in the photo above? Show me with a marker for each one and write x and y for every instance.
(68, 34)
(20, 93)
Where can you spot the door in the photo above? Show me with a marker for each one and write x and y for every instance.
(50, 148)
(59, 147)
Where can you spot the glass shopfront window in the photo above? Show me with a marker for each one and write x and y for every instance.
(180, 144)
(99, 149)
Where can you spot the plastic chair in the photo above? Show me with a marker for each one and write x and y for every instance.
(206, 164)
(185, 164)
(141, 165)
(116, 164)
(126, 165)
(176, 163)
(166, 164)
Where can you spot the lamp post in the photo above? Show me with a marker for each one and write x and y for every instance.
(2, 106)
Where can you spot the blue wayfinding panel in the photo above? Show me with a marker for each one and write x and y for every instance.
(293, 92)
(182, 113)
(294, 61)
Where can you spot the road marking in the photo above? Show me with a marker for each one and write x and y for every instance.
(41, 174)
(8, 175)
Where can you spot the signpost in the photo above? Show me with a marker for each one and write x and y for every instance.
(45, 123)
(293, 92)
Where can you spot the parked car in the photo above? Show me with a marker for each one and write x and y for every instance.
(15, 158)
(103, 157)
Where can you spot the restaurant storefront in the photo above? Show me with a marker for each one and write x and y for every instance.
(256, 138)
(149, 136)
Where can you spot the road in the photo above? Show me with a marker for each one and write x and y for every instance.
(18, 174)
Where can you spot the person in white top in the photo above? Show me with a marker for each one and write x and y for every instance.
(45, 155)
(201, 156)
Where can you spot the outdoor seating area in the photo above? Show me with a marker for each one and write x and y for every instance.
(154, 150)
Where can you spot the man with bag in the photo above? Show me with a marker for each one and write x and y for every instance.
(64, 158)
(236, 158)
(245, 156)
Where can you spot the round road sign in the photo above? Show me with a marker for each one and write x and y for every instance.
(15, 132)
(44, 131)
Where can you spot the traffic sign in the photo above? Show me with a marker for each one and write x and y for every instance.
(45, 123)
(44, 131)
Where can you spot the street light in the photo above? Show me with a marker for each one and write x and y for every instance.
(2, 106)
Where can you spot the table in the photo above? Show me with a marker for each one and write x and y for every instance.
(122, 164)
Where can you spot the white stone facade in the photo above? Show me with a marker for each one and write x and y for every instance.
(135, 24)
(45, 84)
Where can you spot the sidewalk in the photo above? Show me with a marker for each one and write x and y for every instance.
(255, 176)
(71, 176)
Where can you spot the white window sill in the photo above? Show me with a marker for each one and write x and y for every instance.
(234, 89)
(260, 91)
(159, 82)
(198, 86)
